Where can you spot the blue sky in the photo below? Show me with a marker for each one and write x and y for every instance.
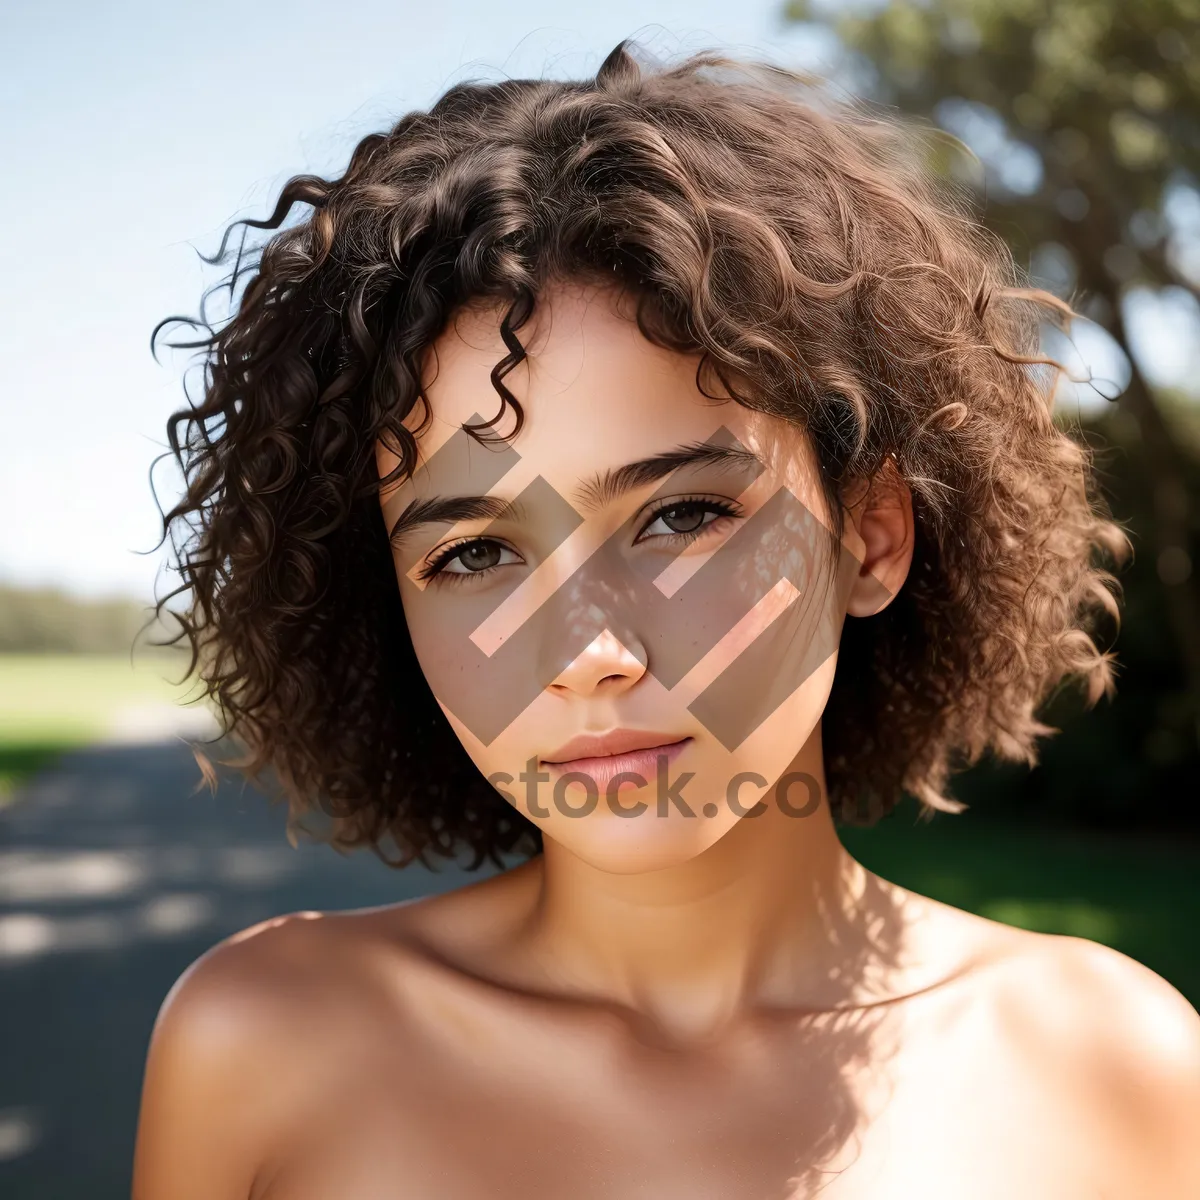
(134, 132)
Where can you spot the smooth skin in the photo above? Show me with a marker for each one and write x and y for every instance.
(662, 1007)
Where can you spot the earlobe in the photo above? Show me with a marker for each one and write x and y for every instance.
(881, 532)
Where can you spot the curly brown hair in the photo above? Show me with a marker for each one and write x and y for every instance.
(804, 246)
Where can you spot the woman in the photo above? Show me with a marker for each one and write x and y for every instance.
(631, 478)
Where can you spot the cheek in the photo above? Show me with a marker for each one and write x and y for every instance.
(772, 669)
(778, 736)
(495, 758)
(758, 722)
(485, 693)
(497, 705)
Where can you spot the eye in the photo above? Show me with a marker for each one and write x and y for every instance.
(686, 518)
(475, 557)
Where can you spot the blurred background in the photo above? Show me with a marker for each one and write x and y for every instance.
(132, 135)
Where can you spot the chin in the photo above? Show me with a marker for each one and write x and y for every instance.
(635, 846)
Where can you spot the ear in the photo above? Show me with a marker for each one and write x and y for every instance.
(879, 533)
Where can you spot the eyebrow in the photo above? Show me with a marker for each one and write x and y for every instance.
(601, 489)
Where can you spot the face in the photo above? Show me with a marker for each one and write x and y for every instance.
(629, 612)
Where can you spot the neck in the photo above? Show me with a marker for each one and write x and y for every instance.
(763, 918)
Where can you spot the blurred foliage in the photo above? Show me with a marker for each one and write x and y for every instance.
(1136, 895)
(1132, 761)
(1084, 120)
(24, 760)
(48, 621)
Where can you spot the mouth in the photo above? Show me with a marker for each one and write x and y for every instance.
(636, 755)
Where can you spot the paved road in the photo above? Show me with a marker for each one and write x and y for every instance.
(114, 875)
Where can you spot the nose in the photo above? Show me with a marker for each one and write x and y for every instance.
(606, 667)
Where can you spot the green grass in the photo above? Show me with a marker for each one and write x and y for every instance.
(54, 702)
(18, 761)
(1138, 895)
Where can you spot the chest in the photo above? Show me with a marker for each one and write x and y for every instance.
(862, 1108)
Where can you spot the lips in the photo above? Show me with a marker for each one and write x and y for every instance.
(604, 745)
(601, 758)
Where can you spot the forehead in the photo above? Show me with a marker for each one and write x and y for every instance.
(594, 391)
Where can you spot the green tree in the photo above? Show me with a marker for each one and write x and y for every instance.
(1085, 118)
(49, 621)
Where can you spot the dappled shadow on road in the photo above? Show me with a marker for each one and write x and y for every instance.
(115, 873)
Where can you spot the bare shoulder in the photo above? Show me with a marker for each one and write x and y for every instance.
(251, 1032)
(1095, 976)
(254, 986)
(1115, 1046)
(1071, 992)
(1084, 996)
(1086, 1058)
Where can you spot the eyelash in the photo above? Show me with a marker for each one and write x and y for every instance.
(722, 508)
